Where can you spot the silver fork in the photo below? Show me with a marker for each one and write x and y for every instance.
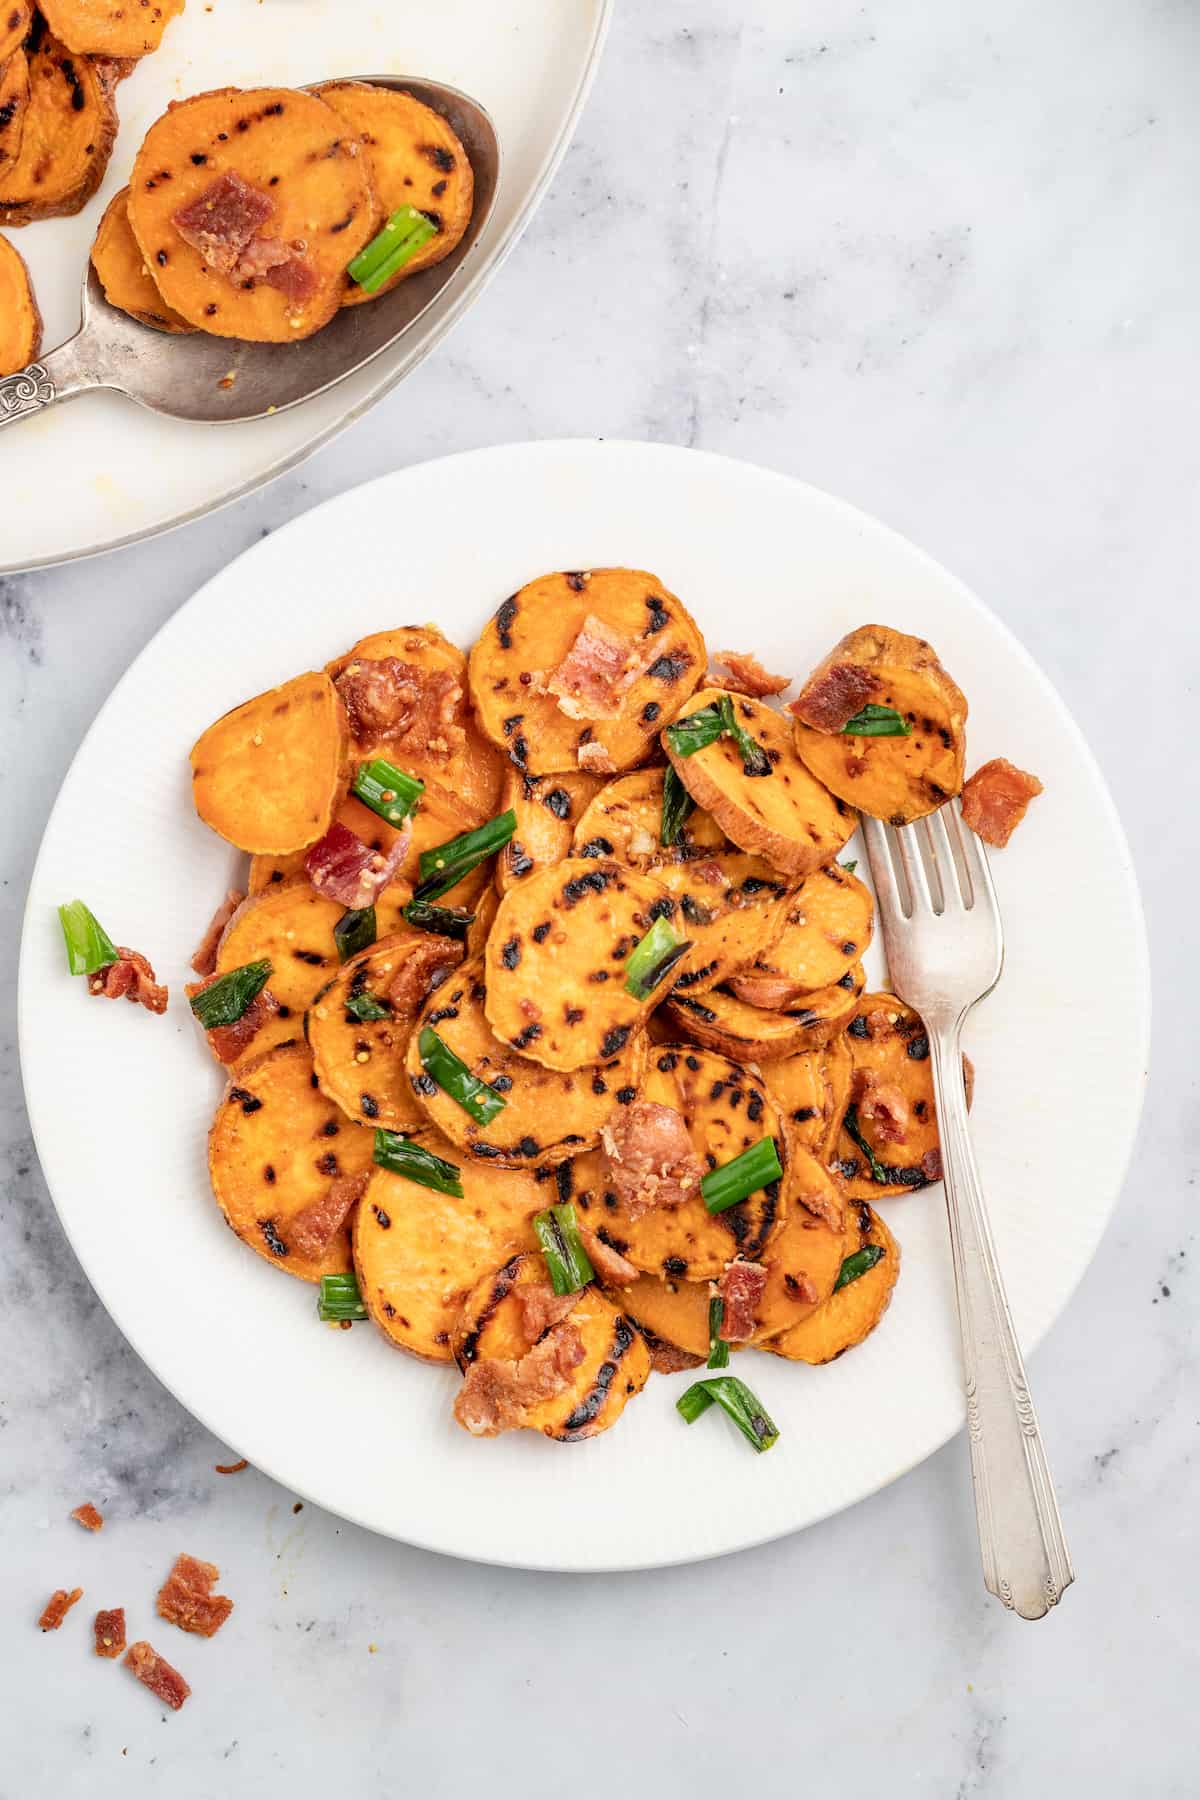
(945, 951)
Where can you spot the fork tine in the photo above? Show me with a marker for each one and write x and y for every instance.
(914, 869)
(973, 854)
(883, 873)
(947, 863)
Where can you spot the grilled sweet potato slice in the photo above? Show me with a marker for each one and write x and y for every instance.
(548, 1114)
(20, 320)
(515, 664)
(548, 808)
(416, 159)
(418, 1253)
(826, 931)
(625, 821)
(276, 1149)
(786, 814)
(891, 1055)
(812, 1091)
(16, 17)
(100, 28)
(730, 906)
(555, 966)
(615, 1366)
(851, 1314)
(127, 282)
(893, 778)
(479, 930)
(359, 1062)
(14, 104)
(307, 182)
(268, 775)
(69, 131)
(722, 1022)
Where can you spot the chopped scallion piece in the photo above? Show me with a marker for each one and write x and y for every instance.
(734, 1398)
(877, 721)
(89, 946)
(653, 959)
(415, 1163)
(718, 1349)
(387, 790)
(737, 1180)
(696, 731)
(224, 1000)
(567, 1263)
(850, 866)
(455, 1078)
(355, 931)
(755, 760)
(406, 232)
(858, 1264)
(339, 1299)
(677, 803)
(364, 1007)
(445, 865)
(854, 1130)
(443, 921)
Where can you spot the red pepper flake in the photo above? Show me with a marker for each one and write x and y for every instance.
(154, 1672)
(109, 1629)
(58, 1606)
(231, 1468)
(186, 1598)
(88, 1516)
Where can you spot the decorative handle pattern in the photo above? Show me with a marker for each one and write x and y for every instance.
(28, 391)
(1026, 1563)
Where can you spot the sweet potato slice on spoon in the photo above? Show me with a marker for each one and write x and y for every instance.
(127, 282)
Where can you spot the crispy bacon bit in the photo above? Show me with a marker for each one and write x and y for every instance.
(205, 959)
(741, 1288)
(613, 1269)
(58, 1606)
(426, 966)
(593, 677)
(747, 675)
(882, 1105)
(389, 700)
(88, 1516)
(498, 1395)
(109, 1631)
(833, 693)
(261, 256)
(823, 1202)
(186, 1598)
(295, 279)
(231, 1468)
(230, 1042)
(221, 221)
(541, 1308)
(651, 1156)
(129, 978)
(931, 1164)
(711, 873)
(996, 799)
(314, 1227)
(342, 868)
(669, 1359)
(595, 759)
(154, 1672)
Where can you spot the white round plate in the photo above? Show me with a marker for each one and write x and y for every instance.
(120, 1102)
(98, 471)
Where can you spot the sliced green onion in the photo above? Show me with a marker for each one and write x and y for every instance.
(697, 731)
(355, 931)
(455, 1078)
(365, 1007)
(387, 790)
(736, 1399)
(406, 232)
(224, 1000)
(677, 803)
(850, 867)
(654, 958)
(567, 1261)
(415, 1163)
(444, 921)
(877, 721)
(858, 1264)
(854, 1130)
(718, 1349)
(737, 1180)
(445, 865)
(89, 946)
(340, 1299)
(755, 760)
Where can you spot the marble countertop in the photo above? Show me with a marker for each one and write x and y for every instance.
(943, 263)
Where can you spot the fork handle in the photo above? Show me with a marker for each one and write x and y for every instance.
(1026, 1563)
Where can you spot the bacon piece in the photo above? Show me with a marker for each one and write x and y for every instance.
(651, 1157)
(129, 978)
(186, 1598)
(541, 1308)
(931, 1164)
(57, 1607)
(747, 675)
(595, 759)
(221, 220)
(612, 1268)
(498, 1395)
(741, 1289)
(833, 694)
(231, 1468)
(261, 256)
(711, 873)
(822, 1201)
(88, 1516)
(204, 960)
(154, 1672)
(229, 1043)
(392, 700)
(315, 1226)
(882, 1105)
(996, 798)
(109, 1632)
(426, 966)
(342, 868)
(801, 1287)
(295, 279)
(593, 677)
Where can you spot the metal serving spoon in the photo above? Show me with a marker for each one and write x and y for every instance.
(220, 381)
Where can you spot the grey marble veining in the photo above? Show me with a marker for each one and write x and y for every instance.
(943, 261)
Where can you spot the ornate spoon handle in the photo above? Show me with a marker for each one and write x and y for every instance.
(63, 372)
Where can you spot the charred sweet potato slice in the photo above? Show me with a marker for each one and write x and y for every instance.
(548, 1114)
(555, 966)
(851, 1314)
(418, 1253)
(624, 821)
(16, 17)
(893, 778)
(20, 320)
(732, 908)
(722, 1022)
(100, 28)
(14, 104)
(812, 1091)
(127, 282)
(248, 205)
(781, 812)
(268, 775)
(359, 1060)
(826, 931)
(615, 1365)
(548, 808)
(276, 1150)
(891, 1103)
(416, 159)
(658, 658)
(69, 131)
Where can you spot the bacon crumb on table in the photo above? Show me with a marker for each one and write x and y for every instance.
(109, 1629)
(231, 1468)
(129, 978)
(89, 1516)
(996, 798)
(186, 1598)
(154, 1672)
(58, 1606)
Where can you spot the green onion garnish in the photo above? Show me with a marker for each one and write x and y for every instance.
(355, 931)
(224, 1000)
(567, 1261)
(877, 721)
(718, 1349)
(702, 728)
(406, 232)
(89, 946)
(755, 760)
(736, 1399)
(854, 1130)
(364, 1007)
(340, 1299)
(653, 959)
(443, 921)
(858, 1264)
(387, 790)
(850, 866)
(677, 803)
(445, 865)
(415, 1163)
(455, 1078)
(737, 1180)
